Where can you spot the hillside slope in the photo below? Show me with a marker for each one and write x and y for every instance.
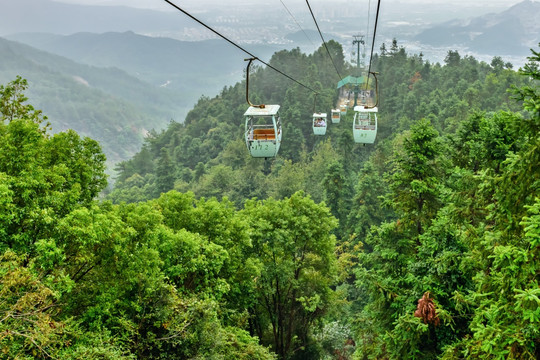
(105, 104)
(513, 31)
(191, 67)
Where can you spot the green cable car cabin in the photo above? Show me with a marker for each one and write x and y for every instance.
(263, 131)
(365, 124)
(336, 116)
(319, 123)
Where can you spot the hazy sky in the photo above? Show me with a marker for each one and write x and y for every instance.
(161, 5)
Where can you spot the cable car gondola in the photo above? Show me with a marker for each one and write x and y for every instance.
(336, 116)
(263, 131)
(365, 124)
(319, 123)
(263, 126)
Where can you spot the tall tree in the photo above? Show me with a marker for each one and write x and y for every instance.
(415, 184)
(506, 297)
(292, 238)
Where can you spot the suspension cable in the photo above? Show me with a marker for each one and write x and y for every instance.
(238, 46)
(367, 27)
(286, 8)
(322, 38)
(373, 42)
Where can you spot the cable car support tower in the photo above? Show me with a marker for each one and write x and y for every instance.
(359, 40)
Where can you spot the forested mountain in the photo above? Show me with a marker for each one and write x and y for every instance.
(513, 31)
(424, 245)
(423, 215)
(106, 104)
(207, 155)
(189, 67)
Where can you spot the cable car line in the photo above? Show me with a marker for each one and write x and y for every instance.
(373, 42)
(238, 46)
(322, 38)
(365, 115)
(369, 13)
(286, 8)
(263, 130)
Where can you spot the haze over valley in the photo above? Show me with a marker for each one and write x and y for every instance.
(177, 60)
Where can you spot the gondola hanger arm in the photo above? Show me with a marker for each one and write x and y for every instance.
(261, 106)
(376, 90)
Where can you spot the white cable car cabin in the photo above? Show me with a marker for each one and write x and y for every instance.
(365, 124)
(263, 131)
(319, 123)
(343, 109)
(336, 116)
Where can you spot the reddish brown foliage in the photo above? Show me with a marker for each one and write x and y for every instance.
(417, 76)
(426, 310)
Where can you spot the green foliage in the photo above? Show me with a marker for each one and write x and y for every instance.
(446, 204)
(79, 279)
(367, 209)
(334, 340)
(292, 239)
(44, 176)
(467, 207)
(415, 177)
(105, 104)
(12, 102)
(27, 310)
(449, 180)
(505, 320)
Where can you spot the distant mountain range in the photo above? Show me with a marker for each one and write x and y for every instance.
(105, 104)
(192, 67)
(511, 32)
(114, 87)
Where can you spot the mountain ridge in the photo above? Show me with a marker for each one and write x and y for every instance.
(513, 31)
(106, 104)
(156, 60)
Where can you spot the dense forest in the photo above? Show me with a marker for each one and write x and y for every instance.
(422, 246)
(105, 104)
